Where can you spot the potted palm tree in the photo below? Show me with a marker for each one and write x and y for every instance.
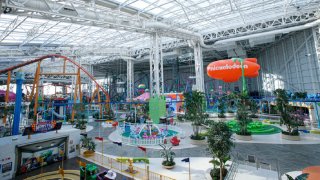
(168, 157)
(282, 105)
(221, 108)
(89, 145)
(195, 112)
(253, 109)
(220, 145)
(230, 98)
(243, 119)
(81, 123)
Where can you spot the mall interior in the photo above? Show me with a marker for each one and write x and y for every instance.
(160, 90)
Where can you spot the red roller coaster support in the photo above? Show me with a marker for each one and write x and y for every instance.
(65, 59)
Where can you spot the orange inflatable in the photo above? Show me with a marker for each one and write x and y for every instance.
(230, 71)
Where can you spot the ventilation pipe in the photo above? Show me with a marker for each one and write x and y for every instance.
(69, 11)
(161, 26)
(274, 32)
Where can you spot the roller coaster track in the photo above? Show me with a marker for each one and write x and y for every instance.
(62, 58)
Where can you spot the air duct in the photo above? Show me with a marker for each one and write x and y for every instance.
(269, 33)
(161, 26)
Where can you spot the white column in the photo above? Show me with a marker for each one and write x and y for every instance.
(130, 79)
(156, 66)
(198, 63)
(316, 37)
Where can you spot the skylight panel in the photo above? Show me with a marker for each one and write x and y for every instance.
(155, 11)
(139, 5)
(121, 1)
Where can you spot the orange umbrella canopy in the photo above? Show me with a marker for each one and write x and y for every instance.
(230, 71)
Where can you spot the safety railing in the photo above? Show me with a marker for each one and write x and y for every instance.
(123, 168)
(136, 141)
(232, 172)
(150, 141)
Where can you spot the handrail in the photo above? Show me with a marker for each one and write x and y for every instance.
(121, 168)
(232, 170)
(146, 142)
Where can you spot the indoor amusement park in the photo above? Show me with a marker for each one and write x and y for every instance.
(159, 90)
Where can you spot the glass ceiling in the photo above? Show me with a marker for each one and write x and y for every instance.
(216, 15)
(204, 16)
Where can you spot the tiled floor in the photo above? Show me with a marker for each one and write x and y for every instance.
(285, 157)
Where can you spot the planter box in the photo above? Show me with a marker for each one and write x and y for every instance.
(88, 153)
(302, 128)
(198, 142)
(83, 131)
(230, 114)
(244, 138)
(290, 138)
(168, 167)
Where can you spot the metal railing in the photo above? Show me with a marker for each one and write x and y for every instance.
(151, 141)
(122, 168)
(243, 159)
(232, 172)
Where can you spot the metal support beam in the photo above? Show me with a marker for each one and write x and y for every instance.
(130, 79)
(36, 95)
(75, 93)
(7, 96)
(312, 74)
(156, 66)
(316, 37)
(198, 63)
(300, 80)
(59, 74)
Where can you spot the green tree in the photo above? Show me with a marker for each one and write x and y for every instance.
(195, 111)
(253, 108)
(221, 108)
(220, 145)
(230, 98)
(80, 116)
(282, 105)
(242, 115)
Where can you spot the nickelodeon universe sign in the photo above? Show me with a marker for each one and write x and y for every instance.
(229, 71)
(43, 126)
(227, 66)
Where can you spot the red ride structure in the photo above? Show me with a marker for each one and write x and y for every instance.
(38, 73)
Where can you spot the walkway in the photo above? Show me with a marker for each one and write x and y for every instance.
(290, 157)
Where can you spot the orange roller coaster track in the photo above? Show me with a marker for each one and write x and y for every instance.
(64, 58)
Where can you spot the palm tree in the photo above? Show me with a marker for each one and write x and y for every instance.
(168, 155)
